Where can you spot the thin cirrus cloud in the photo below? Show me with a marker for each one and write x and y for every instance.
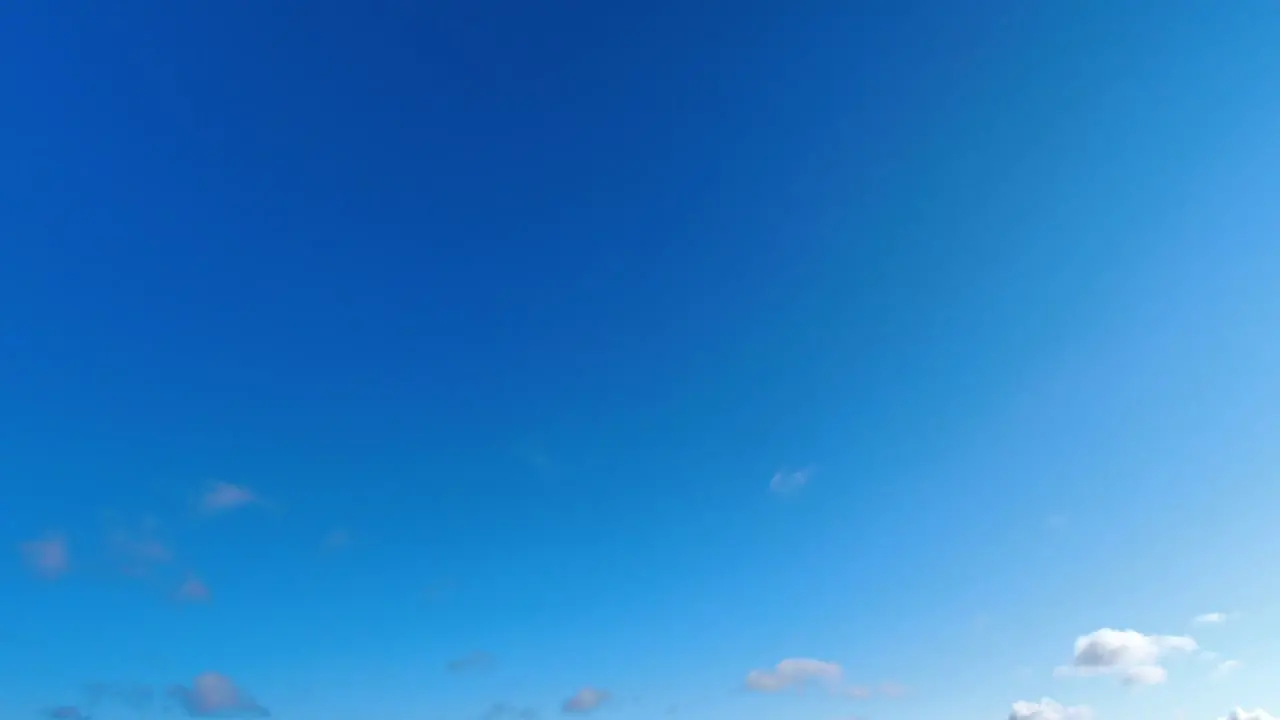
(1048, 709)
(215, 695)
(1132, 656)
(586, 700)
(789, 481)
(221, 497)
(48, 556)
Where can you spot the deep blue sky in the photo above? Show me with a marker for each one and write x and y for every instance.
(497, 320)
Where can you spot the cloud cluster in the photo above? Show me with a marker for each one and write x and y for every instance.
(1048, 709)
(585, 700)
(214, 695)
(1128, 654)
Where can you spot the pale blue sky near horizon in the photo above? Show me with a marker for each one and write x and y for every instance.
(637, 347)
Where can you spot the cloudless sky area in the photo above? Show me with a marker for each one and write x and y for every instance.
(714, 360)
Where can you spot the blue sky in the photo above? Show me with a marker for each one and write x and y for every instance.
(765, 361)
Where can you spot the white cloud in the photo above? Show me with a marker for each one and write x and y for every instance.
(585, 700)
(1226, 667)
(1242, 714)
(214, 695)
(1213, 618)
(785, 481)
(48, 556)
(1133, 656)
(794, 672)
(1144, 675)
(223, 496)
(1048, 709)
(193, 590)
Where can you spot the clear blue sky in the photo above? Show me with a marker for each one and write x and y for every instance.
(340, 342)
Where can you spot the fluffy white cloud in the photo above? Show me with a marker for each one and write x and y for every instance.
(1213, 618)
(1048, 709)
(794, 672)
(1131, 655)
(1242, 714)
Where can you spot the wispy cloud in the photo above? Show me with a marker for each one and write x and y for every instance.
(1048, 709)
(135, 697)
(1227, 667)
(137, 548)
(586, 700)
(220, 497)
(214, 695)
(506, 711)
(1213, 618)
(471, 662)
(789, 481)
(193, 590)
(49, 556)
(1128, 654)
(337, 539)
(893, 690)
(793, 673)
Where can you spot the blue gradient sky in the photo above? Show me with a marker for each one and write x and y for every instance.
(498, 320)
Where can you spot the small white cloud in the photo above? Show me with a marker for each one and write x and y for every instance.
(585, 700)
(214, 695)
(1213, 618)
(1131, 655)
(785, 481)
(1048, 709)
(193, 590)
(1242, 714)
(223, 496)
(893, 690)
(1226, 668)
(794, 672)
